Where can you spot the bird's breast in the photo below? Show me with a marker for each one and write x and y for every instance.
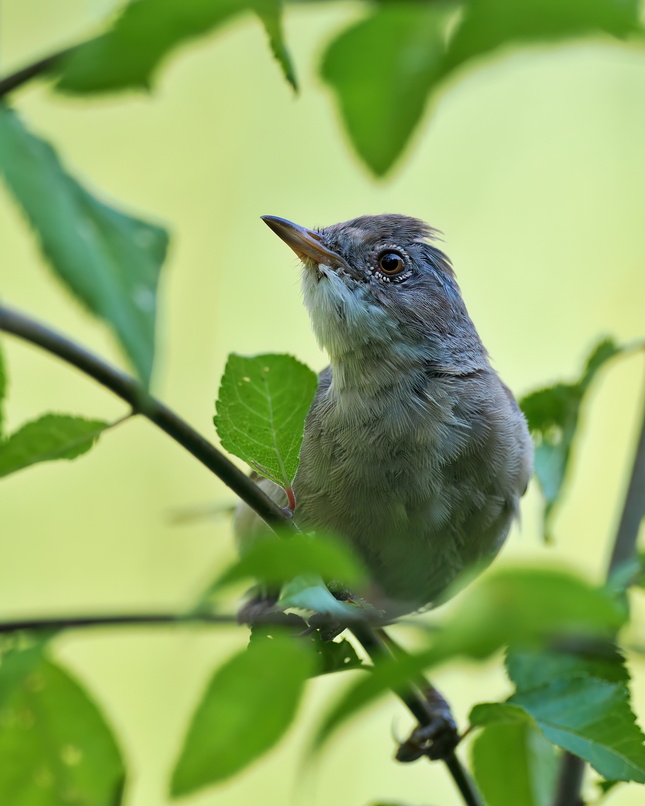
(412, 479)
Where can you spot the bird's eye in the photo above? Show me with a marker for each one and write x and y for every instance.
(390, 262)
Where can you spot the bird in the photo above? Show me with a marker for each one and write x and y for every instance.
(414, 450)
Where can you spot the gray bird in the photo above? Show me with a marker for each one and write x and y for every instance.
(414, 450)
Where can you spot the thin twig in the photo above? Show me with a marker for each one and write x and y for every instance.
(22, 76)
(572, 767)
(133, 393)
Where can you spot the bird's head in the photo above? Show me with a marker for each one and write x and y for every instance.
(378, 284)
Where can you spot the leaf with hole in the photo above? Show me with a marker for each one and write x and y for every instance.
(54, 742)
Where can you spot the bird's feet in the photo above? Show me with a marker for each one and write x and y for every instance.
(438, 738)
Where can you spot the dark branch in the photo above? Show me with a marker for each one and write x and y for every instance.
(572, 767)
(20, 77)
(133, 393)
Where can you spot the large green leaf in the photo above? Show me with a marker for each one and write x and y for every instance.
(54, 743)
(248, 705)
(52, 436)
(509, 607)
(580, 701)
(513, 763)
(261, 409)
(146, 31)
(381, 70)
(553, 414)
(109, 260)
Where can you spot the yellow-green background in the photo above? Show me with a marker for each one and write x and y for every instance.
(533, 167)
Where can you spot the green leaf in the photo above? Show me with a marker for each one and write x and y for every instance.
(487, 25)
(276, 560)
(270, 12)
(146, 31)
(553, 414)
(513, 763)
(516, 607)
(3, 392)
(592, 719)
(247, 707)
(109, 260)
(600, 659)
(381, 70)
(52, 436)
(580, 701)
(54, 743)
(261, 409)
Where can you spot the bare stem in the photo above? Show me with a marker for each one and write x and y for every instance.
(572, 767)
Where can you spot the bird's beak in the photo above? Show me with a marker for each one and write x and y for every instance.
(306, 243)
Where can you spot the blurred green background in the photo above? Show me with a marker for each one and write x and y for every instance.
(533, 166)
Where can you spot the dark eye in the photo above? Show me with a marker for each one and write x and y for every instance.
(390, 262)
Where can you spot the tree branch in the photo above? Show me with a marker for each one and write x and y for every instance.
(20, 77)
(136, 619)
(572, 767)
(134, 393)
